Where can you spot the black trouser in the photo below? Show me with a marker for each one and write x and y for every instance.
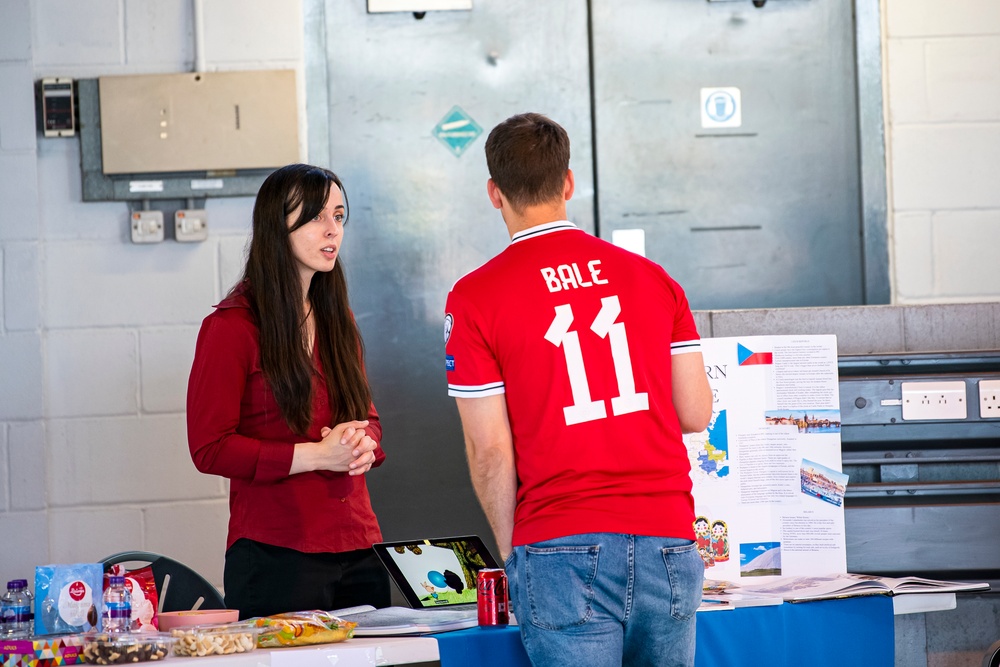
(261, 579)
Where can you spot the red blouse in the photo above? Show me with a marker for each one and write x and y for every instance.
(235, 430)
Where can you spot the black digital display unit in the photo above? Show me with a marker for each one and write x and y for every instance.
(438, 572)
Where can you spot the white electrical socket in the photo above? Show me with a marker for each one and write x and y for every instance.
(191, 225)
(934, 400)
(989, 399)
(147, 226)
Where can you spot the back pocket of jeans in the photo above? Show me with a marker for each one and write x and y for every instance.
(686, 572)
(559, 582)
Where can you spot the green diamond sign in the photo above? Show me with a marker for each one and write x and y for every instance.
(457, 131)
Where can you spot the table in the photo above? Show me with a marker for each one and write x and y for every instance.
(357, 652)
(834, 633)
(830, 633)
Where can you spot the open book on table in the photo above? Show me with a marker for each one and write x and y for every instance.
(797, 589)
(717, 595)
(405, 621)
(728, 600)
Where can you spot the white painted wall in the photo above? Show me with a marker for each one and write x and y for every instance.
(943, 81)
(97, 334)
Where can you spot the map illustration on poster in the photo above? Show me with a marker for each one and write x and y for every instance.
(767, 474)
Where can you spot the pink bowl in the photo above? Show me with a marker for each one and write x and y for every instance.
(182, 619)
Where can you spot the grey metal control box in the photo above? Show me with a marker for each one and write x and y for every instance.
(199, 121)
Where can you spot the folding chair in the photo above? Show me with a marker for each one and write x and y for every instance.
(178, 587)
(992, 657)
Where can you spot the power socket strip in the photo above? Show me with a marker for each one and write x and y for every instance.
(989, 399)
(934, 400)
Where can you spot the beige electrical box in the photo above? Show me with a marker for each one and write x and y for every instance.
(202, 121)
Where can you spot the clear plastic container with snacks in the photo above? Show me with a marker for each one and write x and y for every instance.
(302, 628)
(202, 640)
(122, 648)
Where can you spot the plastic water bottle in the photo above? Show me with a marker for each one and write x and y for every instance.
(31, 607)
(5, 610)
(15, 611)
(117, 614)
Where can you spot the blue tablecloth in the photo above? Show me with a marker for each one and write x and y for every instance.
(833, 633)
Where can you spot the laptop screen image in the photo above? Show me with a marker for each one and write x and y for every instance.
(436, 573)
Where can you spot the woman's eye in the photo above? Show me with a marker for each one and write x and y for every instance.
(339, 217)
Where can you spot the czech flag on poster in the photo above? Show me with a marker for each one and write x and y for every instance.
(750, 358)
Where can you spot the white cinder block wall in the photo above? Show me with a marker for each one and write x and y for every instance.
(943, 83)
(97, 334)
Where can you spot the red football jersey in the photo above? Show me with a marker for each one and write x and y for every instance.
(578, 333)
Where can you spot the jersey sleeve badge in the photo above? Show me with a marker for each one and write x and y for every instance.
(449, 322)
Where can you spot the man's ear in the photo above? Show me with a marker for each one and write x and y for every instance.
(496, 197)
(570, 186)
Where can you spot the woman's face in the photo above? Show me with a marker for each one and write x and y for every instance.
(316, 243)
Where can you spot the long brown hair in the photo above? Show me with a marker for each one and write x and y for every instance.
(275, 295)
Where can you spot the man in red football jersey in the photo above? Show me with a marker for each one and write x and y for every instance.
(576, 367)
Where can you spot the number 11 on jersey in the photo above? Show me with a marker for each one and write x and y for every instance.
(584, 408)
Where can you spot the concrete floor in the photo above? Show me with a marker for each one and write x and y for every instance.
(956, 638)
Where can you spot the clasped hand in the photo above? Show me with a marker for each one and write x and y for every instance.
(348, 448)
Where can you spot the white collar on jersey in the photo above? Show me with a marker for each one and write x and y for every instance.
(545, 228)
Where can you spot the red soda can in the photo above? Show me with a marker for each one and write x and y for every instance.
(492, 597)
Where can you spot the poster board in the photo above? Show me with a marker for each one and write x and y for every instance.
(767, 474)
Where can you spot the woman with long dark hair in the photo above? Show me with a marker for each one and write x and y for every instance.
(279, 403)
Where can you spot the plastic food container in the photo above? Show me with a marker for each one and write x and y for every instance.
(121, 649)
(202, 640)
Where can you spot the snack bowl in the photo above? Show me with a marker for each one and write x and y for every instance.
(202, 640)
(168, 620)
(102, 648)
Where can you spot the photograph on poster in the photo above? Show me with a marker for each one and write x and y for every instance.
(821, 482)
(760, 559)
(807, 421)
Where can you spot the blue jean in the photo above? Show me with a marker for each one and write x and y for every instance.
(605, 599)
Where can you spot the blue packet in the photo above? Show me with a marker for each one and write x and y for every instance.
(68, 598)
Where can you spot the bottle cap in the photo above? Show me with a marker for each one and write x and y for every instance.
(16, 584)
(116, 580)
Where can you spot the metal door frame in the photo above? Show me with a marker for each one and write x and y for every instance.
(871, 149)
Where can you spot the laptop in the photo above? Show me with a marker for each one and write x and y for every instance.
(437, 578)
